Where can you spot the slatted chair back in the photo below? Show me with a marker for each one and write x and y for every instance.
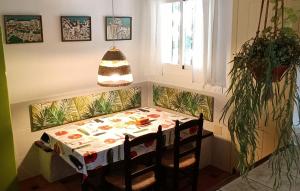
(194, 143)
(130, 161)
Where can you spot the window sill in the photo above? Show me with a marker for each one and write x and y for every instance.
(175, 75)
(188, 84)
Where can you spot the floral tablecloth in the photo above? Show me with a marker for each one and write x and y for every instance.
(99, 141)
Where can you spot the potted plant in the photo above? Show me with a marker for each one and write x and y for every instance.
(263, 86)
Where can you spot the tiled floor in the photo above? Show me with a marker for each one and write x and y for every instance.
(261, 179)
(210, 179)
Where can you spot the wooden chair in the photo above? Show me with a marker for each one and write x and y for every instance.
(136, 175)
(185, 154)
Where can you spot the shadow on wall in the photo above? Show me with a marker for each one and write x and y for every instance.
(50, 165)
(30, 164)
(223, 156)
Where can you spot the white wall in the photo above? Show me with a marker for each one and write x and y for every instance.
(54, 69)
(42, 70)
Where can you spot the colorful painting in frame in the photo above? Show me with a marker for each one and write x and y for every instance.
(187, 102)
(23, 29)
(76, 28)
(118, 28)
(59, 112)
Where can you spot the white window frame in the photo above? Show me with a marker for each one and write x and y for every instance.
(185, 75)
(180, 65)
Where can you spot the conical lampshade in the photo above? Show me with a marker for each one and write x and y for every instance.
(114, 69)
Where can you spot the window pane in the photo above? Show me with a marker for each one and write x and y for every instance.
(188, 30)
(170, 32)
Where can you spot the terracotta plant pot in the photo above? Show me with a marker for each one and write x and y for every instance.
(277, 73)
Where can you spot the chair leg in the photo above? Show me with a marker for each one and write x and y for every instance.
(175, 180)
(84, 186)
(195, 179)
(157, 186)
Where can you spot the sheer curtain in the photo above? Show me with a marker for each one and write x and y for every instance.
(199, 37)
(211, 39)
(150, 40)
(216, 38)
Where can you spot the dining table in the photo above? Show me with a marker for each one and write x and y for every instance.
(99, 141)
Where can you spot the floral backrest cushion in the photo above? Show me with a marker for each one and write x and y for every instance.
(59, 112)
(190, 103)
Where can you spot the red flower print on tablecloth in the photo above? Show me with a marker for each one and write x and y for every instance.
(154, 115)
(75, 136)
(104, 127)
(109, 141)
(90, 157)
(61, 133)
(133, 154)
(158, 110)
(193, 130)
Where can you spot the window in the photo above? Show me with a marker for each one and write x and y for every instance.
(177, 32)
(194, 34)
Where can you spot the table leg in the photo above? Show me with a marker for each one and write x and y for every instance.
(84, 184)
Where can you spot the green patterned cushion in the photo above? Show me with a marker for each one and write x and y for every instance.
(186, 102)
(59, 112)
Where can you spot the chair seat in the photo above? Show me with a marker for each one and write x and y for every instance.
(117, 179)
(185, 162)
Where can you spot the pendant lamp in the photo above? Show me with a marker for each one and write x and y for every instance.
(114, 69)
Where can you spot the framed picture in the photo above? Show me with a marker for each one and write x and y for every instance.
(76, 28)
(118, 28)
(23, 29)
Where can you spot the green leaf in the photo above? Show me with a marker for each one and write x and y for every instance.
(254, 96)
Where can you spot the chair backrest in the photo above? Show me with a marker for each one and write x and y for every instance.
(130, 160)
(194, 140)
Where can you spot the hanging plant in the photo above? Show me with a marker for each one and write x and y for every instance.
(263, 86)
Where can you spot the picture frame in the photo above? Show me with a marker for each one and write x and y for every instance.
(118, 28)
(76, 28)
(21, 29)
